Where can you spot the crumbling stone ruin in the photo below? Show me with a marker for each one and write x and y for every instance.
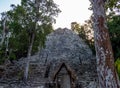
(65, 62)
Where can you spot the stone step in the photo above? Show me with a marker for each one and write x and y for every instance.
(36, 84)
(39, 74)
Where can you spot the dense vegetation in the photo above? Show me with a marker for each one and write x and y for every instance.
(114, 31)
(113, 20)
(18, 25)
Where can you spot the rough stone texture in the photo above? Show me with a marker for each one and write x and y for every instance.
(63, 45)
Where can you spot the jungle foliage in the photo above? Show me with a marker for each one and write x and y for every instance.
(18, 24)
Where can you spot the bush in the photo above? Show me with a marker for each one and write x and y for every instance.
(117, 65)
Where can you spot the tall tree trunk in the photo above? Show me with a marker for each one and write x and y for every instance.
(28, 58)
(32, 41)
(105, 61)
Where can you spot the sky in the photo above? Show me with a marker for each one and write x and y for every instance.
(72, 11)
(5, 4)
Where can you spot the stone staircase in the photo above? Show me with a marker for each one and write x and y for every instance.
(36, 75)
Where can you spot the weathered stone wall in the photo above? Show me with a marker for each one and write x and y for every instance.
(63, 45)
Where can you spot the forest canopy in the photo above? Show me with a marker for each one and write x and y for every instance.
(18, 25)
